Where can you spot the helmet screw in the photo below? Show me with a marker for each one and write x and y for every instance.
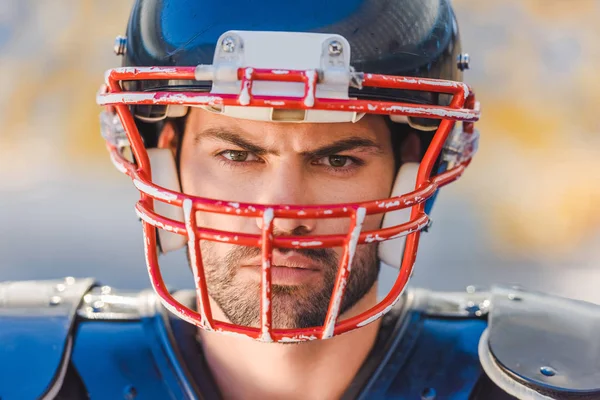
(547, 371)
(427, 227)
(228, 45)
(335, 48)
(463, 61)
(120, 45)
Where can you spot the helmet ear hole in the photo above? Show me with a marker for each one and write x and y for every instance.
(164, 174)
(392, 251)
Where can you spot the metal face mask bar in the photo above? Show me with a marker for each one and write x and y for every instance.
(459, 147)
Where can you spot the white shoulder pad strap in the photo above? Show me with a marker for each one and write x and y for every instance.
(540, 347)
(391, 251)
(164, 174)
(117, 305)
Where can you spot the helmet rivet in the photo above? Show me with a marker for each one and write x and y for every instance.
(547, 371)
(335, 48)
(428, 394)
(514, 297)
(472, 308)
(98, 305)
(228, 44)
(472, 289)
(55, 300)
(129, 392)
(463, 61)
(120, 45)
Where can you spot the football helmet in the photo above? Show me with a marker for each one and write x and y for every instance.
(308, 61)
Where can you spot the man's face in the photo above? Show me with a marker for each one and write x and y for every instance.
(285, 163)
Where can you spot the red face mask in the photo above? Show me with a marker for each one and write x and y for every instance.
(455, 141)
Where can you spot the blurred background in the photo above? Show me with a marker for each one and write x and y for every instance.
(527, 211)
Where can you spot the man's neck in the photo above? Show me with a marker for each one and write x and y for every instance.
(321, 369)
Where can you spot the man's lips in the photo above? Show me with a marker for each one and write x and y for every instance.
(292, 268)
(288, 260)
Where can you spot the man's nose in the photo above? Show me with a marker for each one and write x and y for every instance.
(288, 186)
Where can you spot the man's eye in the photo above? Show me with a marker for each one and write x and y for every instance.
(339, 161)
(238, 155)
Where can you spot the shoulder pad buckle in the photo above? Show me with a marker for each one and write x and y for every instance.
(36, 321)
(545, 343)
(469, 304)
(108, 304)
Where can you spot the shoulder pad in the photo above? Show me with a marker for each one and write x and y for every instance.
(539, 346)
(36, 324)
(427, 348)
(129, 340)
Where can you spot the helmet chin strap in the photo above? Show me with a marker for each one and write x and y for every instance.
(392, 251)
(164, 173)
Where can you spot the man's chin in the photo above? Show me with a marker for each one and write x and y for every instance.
(283, 276)
(292, 306)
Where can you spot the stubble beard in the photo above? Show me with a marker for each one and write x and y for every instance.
(293, 307)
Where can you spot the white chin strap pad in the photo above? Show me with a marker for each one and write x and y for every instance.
(164, 174)
(392, 251)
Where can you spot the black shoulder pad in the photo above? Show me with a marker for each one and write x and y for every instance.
(36, 326)
(541, 346)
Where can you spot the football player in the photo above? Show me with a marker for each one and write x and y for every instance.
(293, 150)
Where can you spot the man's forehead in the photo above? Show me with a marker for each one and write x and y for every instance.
(370, 127)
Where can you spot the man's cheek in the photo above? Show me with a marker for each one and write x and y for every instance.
(372, 222)
(217, 221)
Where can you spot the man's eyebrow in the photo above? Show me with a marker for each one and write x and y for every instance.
(346, 144)
(233, 138)
(351, 143)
